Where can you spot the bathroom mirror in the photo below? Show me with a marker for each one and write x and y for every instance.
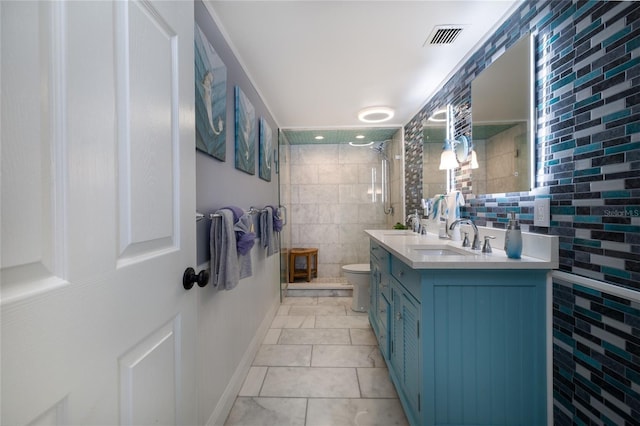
(434, 133)
(502, 122)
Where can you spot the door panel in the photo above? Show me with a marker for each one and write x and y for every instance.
(148, 138)
(98, 200)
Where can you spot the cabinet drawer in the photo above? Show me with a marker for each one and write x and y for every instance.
(408, 277)
(380, 256)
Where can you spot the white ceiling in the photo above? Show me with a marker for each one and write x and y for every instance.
(317, 63)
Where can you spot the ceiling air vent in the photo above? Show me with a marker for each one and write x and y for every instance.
(444, 34)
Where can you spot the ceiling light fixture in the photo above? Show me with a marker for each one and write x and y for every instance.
(360, 137)
(319, 138)
(361, 144)
(375, 114)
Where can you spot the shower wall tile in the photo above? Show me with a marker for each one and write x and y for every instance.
(333, 203)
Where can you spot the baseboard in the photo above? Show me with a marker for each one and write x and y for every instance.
(222, 409)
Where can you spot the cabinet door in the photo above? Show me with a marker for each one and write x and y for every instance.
(383, 317)
(405, 354)
(373, 295)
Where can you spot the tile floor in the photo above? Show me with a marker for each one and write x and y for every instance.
(319, 365)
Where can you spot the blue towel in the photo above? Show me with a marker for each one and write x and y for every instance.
(225, 270)
(230, 243)
(268, 237)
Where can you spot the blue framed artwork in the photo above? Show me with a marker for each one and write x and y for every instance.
(266, 150)
(245, 133)
(211, 98)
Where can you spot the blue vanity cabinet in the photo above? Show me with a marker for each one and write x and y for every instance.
(468, 347)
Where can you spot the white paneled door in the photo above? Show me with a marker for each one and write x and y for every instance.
(98, 200)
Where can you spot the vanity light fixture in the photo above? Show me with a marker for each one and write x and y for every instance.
(448, 159)
(375, 114)
(474, 159)
(361, 144)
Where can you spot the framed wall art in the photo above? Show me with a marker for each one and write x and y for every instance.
(245, 133)
(266, 150)
(211, 98)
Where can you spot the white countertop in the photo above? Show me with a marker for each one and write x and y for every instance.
(422, 251)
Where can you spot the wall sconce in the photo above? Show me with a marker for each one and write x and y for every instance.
(448, 159)
(474, 159)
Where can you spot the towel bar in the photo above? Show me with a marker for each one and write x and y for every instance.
(252, 211)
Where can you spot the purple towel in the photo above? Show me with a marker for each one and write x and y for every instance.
(244, 239)
(277, 222)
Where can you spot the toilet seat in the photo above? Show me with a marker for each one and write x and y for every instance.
(357, 268)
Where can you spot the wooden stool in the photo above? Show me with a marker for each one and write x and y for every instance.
(311, 268)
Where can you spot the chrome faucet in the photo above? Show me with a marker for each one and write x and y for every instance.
(414, 221)
(476, 240)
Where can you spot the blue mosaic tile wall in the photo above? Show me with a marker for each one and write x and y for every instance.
(596, 357)
(587, 137)
(588, 164)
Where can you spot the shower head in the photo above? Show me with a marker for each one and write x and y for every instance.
(379, 147)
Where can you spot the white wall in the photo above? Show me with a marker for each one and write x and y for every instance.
(231, 323)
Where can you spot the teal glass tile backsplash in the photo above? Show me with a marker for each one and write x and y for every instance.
(588, 164)
(588, 129)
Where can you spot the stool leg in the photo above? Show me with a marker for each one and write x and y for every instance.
(315, 264)
(292, 265)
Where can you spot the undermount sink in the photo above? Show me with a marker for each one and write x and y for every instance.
(399, 232)
(430, 250)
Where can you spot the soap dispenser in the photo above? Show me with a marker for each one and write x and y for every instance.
(513, 239)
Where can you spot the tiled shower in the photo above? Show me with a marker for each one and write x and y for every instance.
(336, 193)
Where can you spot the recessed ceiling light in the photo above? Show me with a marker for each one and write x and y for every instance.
(319, 137)
(361, 144)
(375, 114)
(360, 137)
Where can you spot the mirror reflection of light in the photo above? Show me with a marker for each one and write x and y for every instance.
(439, 116)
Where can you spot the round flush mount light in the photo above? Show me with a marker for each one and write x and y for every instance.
(361, 144)
(375, 114)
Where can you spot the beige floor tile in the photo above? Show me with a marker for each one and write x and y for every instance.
(267, 412)
(330, 321)
(253, 382)
(284, 355)
(300, 300)
(356, 412)
(362, 336)
(273, 334)
(346, 356)
(311, 382)
(319, 310)
(376, 383)
(314, 336)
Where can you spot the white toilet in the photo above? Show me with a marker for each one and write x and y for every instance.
(358, 275)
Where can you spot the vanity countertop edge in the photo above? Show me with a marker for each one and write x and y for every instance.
(539, 251)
